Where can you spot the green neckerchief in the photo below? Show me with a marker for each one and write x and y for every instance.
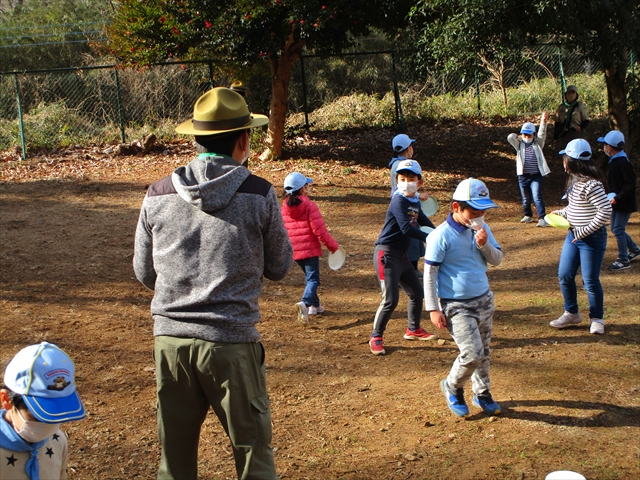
(571, 106)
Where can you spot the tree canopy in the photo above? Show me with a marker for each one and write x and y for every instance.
(605, 30)
(245, 32)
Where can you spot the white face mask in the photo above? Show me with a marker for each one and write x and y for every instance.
(527, 139)
(476, 223)
(407, 188)
(34, 431)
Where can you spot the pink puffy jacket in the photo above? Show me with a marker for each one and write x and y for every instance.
(306, 229)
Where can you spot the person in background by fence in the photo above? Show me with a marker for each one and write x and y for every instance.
(572, 117)
(622, 196)
(531, 166)
(239, 88)
(206, 237)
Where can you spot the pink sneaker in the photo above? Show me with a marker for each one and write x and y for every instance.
(418, 334)
(376, 346)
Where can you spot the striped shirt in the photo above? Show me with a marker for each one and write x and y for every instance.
(588, 209)
(530, 159)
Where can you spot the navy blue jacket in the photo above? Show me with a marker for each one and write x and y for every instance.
(401, 223)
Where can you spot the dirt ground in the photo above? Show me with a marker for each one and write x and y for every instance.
(571, 400)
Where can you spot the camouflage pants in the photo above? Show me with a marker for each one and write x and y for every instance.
(469, 323)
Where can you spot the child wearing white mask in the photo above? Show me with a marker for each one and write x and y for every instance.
(531, 166)
(458, 296)
(39, 395)
(393, 268)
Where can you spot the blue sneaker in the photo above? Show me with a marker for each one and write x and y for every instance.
(487, 404)
(455, 402)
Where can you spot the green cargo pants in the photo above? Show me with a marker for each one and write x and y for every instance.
(192, 375)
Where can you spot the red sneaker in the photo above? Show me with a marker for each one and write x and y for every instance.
(418, 334)
(376, 346)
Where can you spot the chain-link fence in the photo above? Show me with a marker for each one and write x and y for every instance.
(106, 104)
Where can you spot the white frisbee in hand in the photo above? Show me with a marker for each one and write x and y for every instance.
(337, 258)
(427, 230)
(429, 206)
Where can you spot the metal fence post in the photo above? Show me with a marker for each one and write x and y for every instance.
(20, 121)
(563, 81)
(120, 115)
(211, 82)
(304, 93)
(396, 94)
(475, 74)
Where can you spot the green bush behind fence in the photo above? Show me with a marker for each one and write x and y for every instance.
(98, 105)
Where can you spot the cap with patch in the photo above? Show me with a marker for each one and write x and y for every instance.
(578, 149)
(295, 181)
(614, 139)
(475, 193)
(401, 142)
(528, 128)
(409, 166)
(44, 376)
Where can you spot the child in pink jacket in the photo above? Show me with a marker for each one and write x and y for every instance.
(306, 229)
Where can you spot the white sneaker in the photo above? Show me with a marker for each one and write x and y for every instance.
(316, 310)
(303, 313)
(597, 326)
(542, 223)
(526, 219)
(566, 319)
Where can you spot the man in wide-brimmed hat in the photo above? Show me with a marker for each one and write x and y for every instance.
(206, 236)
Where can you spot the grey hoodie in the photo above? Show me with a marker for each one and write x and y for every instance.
(206, 236)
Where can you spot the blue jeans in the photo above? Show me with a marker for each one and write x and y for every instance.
(619, 222)
(587, 254)
(531, 189)
(311, 269)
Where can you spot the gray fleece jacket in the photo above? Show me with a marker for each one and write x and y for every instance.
(206, 236)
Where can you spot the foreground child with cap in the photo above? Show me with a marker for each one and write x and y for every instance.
(306, 229)
(622, 196)
(39, 394)
(458, 296)
(586, 241)
(531, 166)
(392, 266)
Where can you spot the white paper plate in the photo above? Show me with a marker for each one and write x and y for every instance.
(429, 206)
(564, 475)
(427, 230)
(337, 259)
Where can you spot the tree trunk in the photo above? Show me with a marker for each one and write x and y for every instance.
(281, 67)
(614, 74)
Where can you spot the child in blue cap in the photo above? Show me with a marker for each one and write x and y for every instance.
(531, 166)
(39, 394)
(458, 296)
(393, 268)
(622, 197)
(586, 241)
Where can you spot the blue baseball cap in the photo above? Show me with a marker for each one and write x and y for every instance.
(614, 139)
(528, 128)
(44, 376)
(409, 166)
(401, 142)
(578, 149)
(295, 181)
(475, 193)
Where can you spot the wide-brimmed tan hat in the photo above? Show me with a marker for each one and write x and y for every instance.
(220, 110)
